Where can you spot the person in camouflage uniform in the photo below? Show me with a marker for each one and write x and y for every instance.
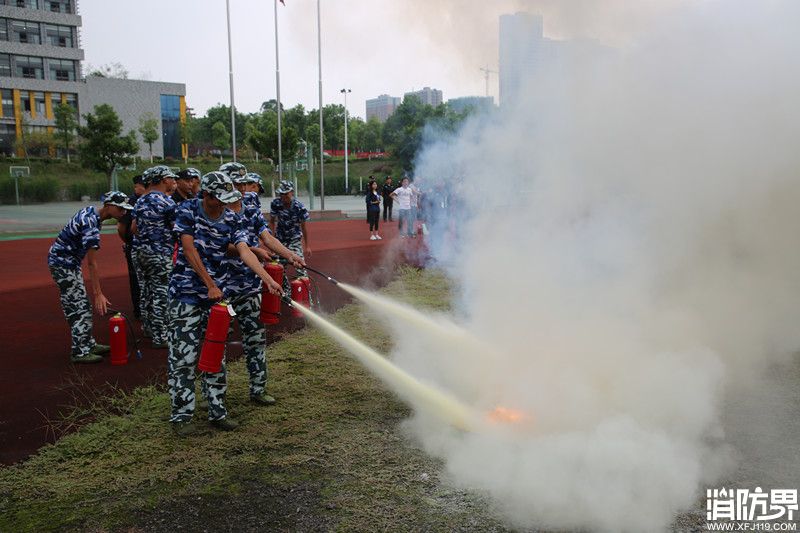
(206, 229)
(287, 222)
(81, 238)
(126, 234)
(153, 217)
(244, 288)
(185, 183)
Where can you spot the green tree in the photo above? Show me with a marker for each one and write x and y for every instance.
(373, 134)
(221, 139)
(66, 124)
(262, 135)
(202, 127)
(356, 128)
(148, 129)
(103, 145)
(296, 118)
(36, 143)
(405, 131)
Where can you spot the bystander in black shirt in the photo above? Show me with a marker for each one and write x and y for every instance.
(127, 220)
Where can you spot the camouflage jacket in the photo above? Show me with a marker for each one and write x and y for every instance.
(81, 233)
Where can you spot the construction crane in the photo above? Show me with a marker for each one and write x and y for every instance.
(486, 71)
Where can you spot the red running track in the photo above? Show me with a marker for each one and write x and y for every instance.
(38, 381)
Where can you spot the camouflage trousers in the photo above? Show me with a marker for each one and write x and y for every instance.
(187, 331)
(254, 340)
(296, 246)
(137, 269)
(155, 270)
(77, 308)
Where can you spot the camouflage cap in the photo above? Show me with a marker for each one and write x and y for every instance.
(252, 177)
(117, 198)
(233, 169)
(239, 179)
(285, 187)
(157, 174)
(220, 186)
(189, 174)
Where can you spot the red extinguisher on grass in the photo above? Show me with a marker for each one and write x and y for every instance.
(118, 340)
(219, 320)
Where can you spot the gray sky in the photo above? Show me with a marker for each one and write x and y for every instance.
(369, 46)
(363, 49)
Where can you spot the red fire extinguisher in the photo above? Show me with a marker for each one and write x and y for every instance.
(219, 320)
(270, 303)
(300, 294)
(118, 340)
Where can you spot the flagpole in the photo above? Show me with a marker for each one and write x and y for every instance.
(230, 76)
(278, 94)
(321, 133)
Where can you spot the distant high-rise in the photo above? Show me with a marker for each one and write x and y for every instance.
(428, 96)
(528, 59)
(522, 51)
(382, 107)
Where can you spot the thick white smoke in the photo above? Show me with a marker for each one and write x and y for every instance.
(627, 243)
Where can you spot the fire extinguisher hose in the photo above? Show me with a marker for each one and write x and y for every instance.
(130, 328)
(329, 278)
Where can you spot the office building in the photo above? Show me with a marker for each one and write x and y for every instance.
(528, 59)
(382, 107)
(523, 52)
(40, 68)
(428, 96)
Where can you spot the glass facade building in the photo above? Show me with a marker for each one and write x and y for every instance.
(171, 124)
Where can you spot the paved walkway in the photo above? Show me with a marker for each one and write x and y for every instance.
(47, 219)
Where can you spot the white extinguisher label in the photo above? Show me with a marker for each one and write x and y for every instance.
(116, 329)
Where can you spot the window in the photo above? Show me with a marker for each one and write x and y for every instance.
(5, 65)
(3, 29)
(8, 102)
(25, 100)
(30, 4)
(38, 104)
(72, 100)
(29, 67)
(25, 32)
(170, 124)
(8, 134)
(63, 6)
(59, 35)
(62, 69)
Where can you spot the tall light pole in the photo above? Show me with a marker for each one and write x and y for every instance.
(346, 158)
(278, 95)
(321, 131)
(230, 76)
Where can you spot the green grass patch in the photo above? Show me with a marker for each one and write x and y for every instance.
(328, 456)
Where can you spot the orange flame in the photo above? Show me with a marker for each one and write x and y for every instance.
(507, 415)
